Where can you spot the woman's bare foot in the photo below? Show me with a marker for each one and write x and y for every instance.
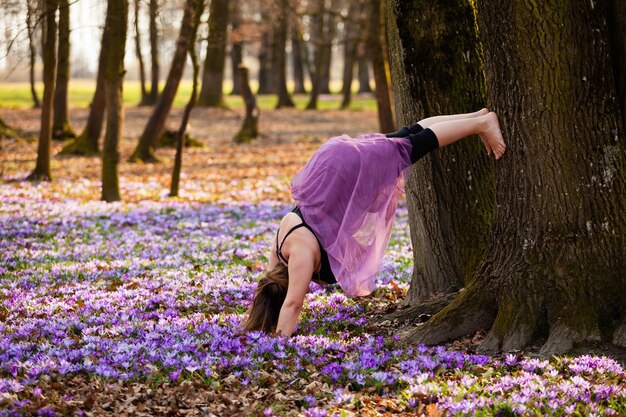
(492, 136)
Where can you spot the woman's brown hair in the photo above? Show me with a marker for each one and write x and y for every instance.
(268, 300)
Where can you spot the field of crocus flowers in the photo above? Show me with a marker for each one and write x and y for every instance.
(134, 308)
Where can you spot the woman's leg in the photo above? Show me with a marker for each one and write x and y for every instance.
(486, 126)
(429, 121)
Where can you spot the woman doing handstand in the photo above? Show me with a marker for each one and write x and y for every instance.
(346, 196)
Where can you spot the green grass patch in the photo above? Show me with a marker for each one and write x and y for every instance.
(17, 95)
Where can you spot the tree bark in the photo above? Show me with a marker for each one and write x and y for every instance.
(319, 41)
(363, 69)
(299, 55)
(211, 93)
(236, 49)
(148, 141)
(31, 10)
(380, 65)
(349, 52)
(249, 129)
(117, 24)
(327, 49)
(198, 8)
(87, 142)
(61, 128)
(280, 42)
(618, 52)
(266, 59)
(142, 70)
(49, 36)
(451, 185)
(153, 12)
(557, 248)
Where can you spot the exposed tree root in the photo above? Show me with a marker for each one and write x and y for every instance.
(562, 338)
(513, 327)
(430, 307)
(147, 157)
(79, 147)
(470, 311)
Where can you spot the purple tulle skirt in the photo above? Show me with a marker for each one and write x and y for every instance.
(348, 193)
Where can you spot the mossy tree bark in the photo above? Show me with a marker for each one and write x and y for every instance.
(250, 127)
(155, 66)
(49, 36)
(211, 93)
(87, 142)
(30, 29)
(557, 246)
(280, 42)
(437, 69)
(117, 25)
(198, 8)
(144, 151)
(61, 128)
(236, 48)
(376, 44)
(142, 70)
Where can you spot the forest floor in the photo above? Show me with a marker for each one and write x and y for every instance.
(133, 308)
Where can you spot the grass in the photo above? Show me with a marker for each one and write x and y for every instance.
(17, 95)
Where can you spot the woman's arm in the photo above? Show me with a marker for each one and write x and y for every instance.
(300, 273)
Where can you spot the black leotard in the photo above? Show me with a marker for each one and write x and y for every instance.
(325, 274)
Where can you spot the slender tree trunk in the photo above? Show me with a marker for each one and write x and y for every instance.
(249, 129)
(61, 128)
(380, 65)
(87, 142)
(363, 69)
(266, 58)
(349, 53)
(454, 184)
(557, 247)
(280, 41)
(236, 51)
(31, 10)
(142, 70)
(329, 38)
(211, 93)
(153, 12)
(147, 142)
(298, 56)
(117, 24)
(49, 37)
(319, 41)
(198, 8)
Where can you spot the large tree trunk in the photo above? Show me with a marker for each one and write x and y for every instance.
(454, 184)
(363, 69)
(31, 10)
(280, 42)
(87, 142)
(61, 128)
(211, 93)
(49, 36)
(148, 140)
(236, 49)
(142, 70)
(377, 50)
(319, 42)
(618, 52)
(198, 8)
(349, 52)
(557, 247)
(117, 22)
(153, 12)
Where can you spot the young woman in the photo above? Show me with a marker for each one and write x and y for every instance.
(346, 196)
